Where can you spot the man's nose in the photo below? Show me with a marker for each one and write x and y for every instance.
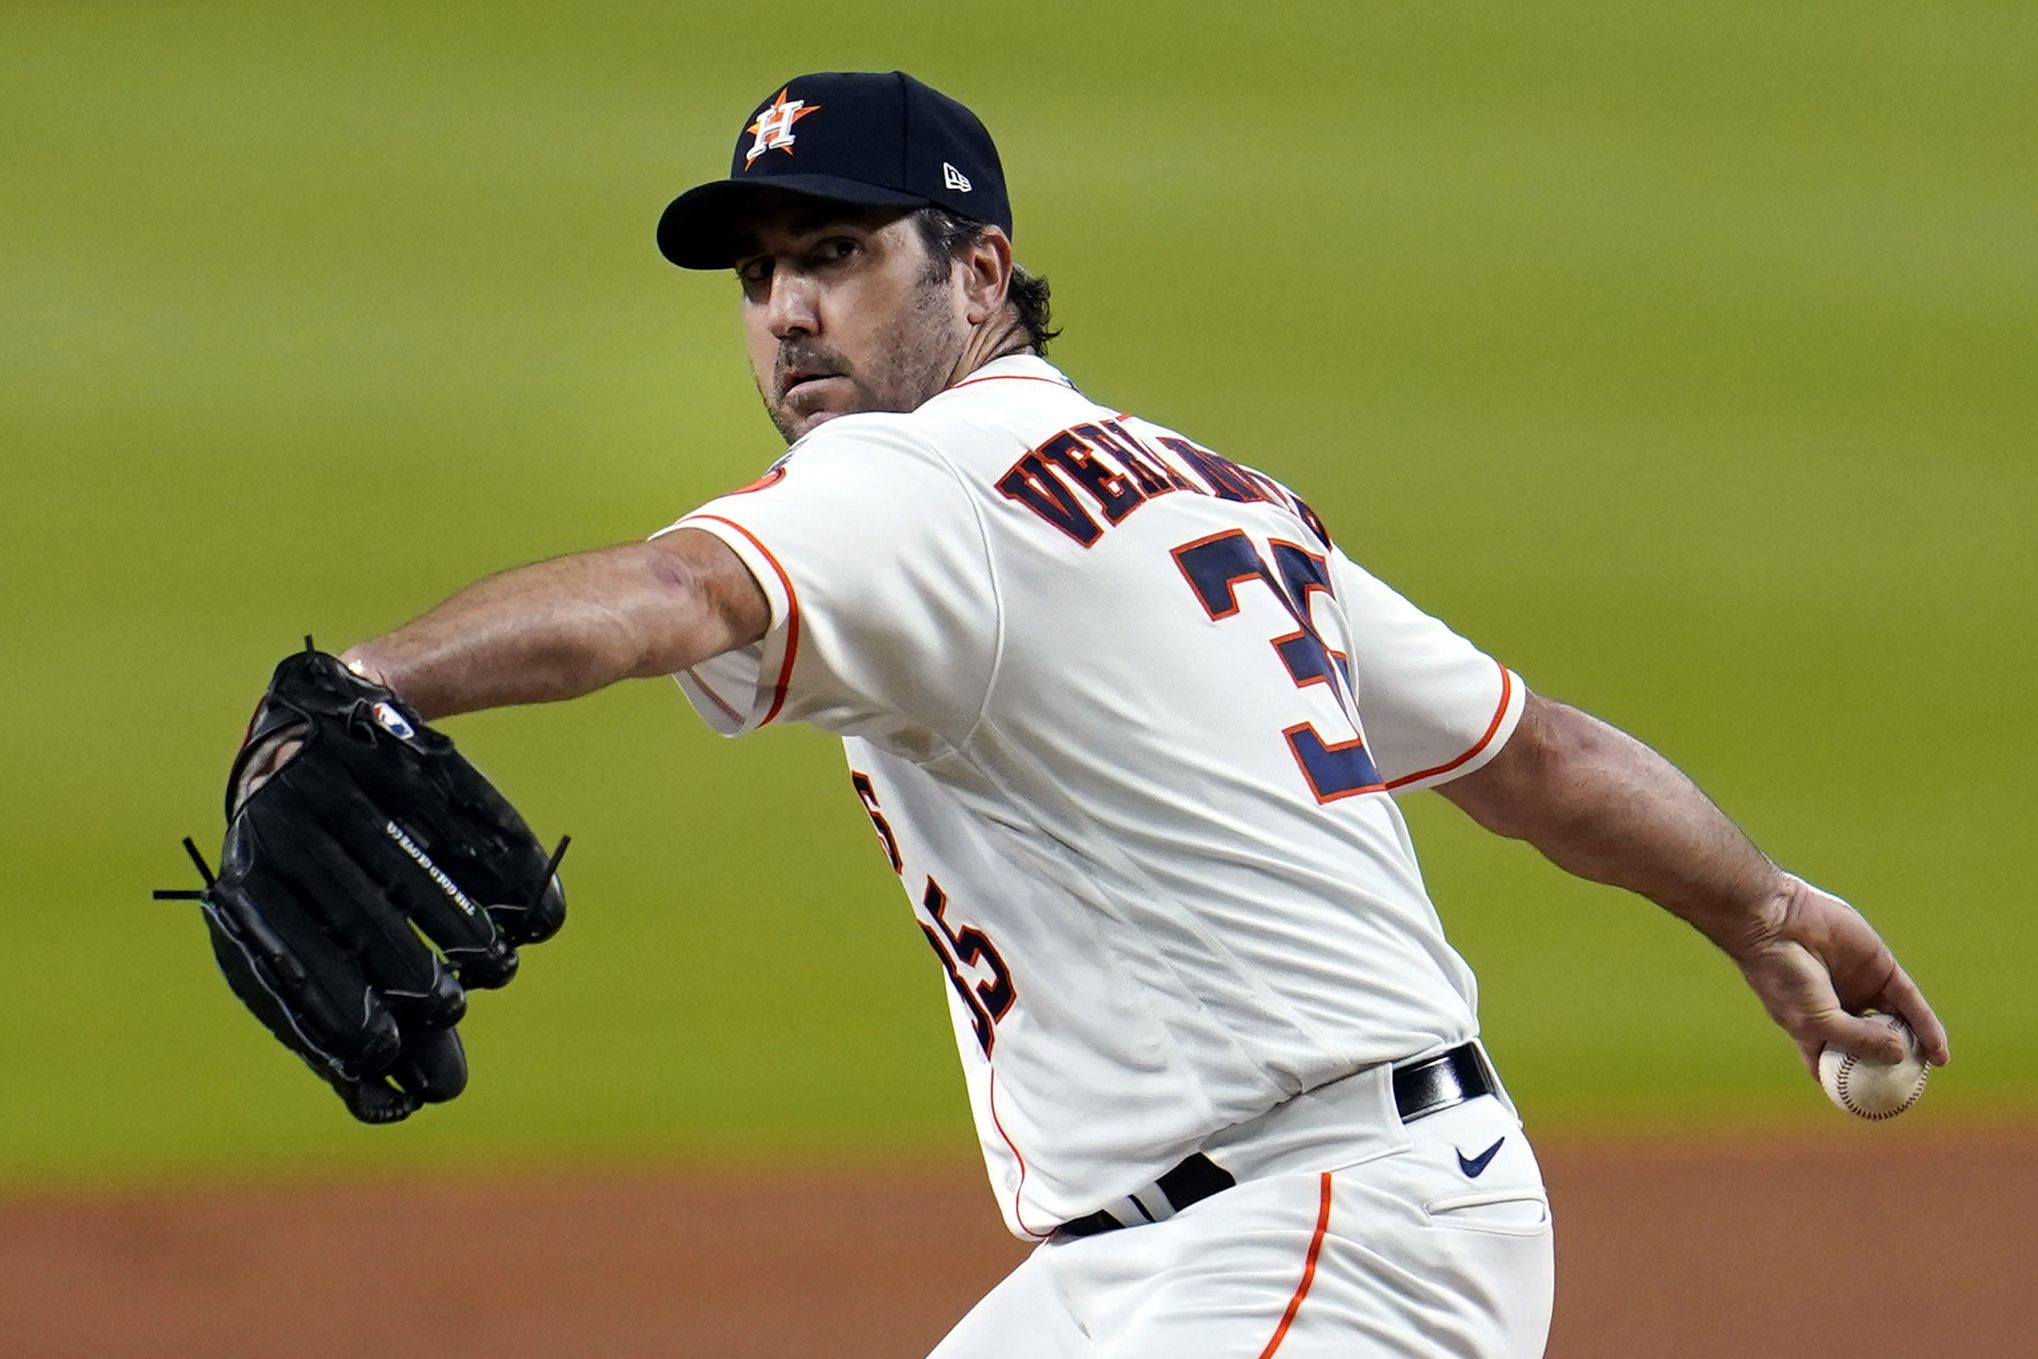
(793, 308)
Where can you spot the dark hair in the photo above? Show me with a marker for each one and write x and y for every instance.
(948, 236)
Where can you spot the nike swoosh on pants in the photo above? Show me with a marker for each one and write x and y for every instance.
(1475, 1166)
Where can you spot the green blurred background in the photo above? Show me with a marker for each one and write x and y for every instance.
(1684, 356)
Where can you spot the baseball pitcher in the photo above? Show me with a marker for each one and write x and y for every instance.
(1131, 729)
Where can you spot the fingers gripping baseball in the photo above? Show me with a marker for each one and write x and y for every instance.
(1820, 965)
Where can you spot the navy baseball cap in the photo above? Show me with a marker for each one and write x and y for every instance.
(876, 139)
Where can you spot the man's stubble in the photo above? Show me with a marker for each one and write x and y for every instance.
(897, 378)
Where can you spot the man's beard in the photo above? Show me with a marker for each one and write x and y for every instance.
(897, 378)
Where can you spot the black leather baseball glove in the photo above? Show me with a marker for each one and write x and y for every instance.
(372, 837)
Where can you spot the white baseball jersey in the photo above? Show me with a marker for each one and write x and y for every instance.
(1129, 727)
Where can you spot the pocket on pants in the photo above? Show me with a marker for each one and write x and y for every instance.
(1513, 1211)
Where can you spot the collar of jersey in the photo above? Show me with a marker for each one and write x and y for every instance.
(1015, 366)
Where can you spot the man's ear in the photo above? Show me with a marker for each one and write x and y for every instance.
(986, 274)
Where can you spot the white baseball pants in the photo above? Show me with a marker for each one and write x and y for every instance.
(1406, 1253)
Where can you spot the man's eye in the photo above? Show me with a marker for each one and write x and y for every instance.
(754, 271)
(838, 248)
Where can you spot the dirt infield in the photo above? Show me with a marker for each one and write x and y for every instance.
(1927, 1242)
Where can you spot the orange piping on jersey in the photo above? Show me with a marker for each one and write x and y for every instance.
(713, 697)
(771, 478)
(1308, 1273)
(1021, 1189)
(1506, 696)
(792, 615)
(1011, 377)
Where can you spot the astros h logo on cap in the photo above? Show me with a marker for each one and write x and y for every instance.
(774, 126)
(888, 141)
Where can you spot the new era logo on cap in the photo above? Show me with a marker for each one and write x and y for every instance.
(883, 140)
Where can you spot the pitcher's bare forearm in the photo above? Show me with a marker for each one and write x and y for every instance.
(557, 629)
(1602, 805)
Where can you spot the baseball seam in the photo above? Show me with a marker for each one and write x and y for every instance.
(1847, 1065)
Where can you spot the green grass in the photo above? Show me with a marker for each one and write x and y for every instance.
(1683, 358)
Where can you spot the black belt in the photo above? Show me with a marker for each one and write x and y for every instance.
(1428, 1087)
(1420, 1089)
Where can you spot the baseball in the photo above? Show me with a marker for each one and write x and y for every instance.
(1875, 1090)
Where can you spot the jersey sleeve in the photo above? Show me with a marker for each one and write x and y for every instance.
(884, 619)
(1434, 707)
